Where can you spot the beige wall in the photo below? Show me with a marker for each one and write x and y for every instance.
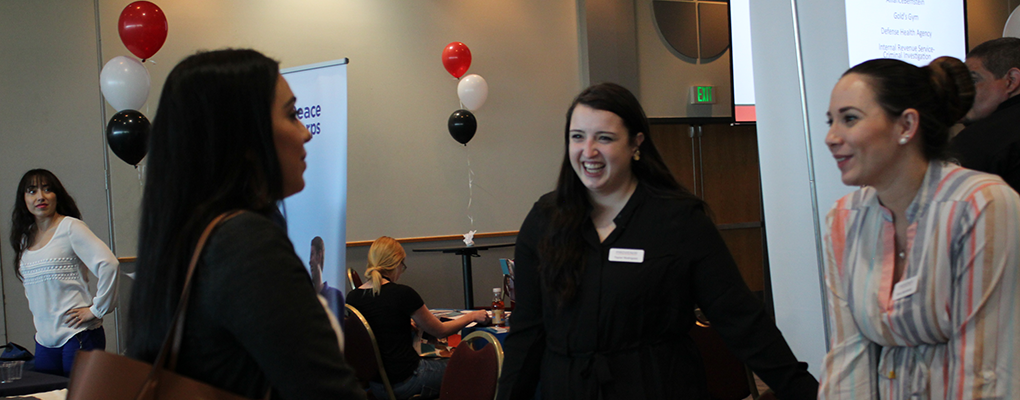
(666, 78)
(986, 19)
(49, 118)
(610, 43)
(407, 177)
(621, 44)
(438, 277)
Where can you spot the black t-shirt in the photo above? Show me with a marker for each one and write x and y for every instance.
(389, 315)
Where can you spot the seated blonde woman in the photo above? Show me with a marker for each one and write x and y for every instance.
(389, 308)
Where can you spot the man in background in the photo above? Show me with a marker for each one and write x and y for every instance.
(334, 297)
(991, 140)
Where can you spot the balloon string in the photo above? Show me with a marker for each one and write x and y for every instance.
(146, 100)
(140, 169)
(471, 181)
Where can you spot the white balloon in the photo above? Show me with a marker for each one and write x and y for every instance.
(125, 83)
(473, 91)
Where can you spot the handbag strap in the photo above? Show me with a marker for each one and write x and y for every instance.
(167, 357)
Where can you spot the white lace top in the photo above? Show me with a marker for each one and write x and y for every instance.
(55, 281)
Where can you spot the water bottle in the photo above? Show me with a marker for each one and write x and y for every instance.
(497, 307)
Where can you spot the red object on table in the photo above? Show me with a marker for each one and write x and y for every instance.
(453, 340)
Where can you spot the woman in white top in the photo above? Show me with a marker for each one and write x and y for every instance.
(51, 247)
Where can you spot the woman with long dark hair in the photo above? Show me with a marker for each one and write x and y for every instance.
(923, 260)
(610, 266)
(226, 137)
(51, 245)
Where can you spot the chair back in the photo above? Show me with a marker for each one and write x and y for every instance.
(727, 377)
(362, 351)
(473, 371)
(353, 280)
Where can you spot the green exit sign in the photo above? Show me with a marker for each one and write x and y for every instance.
(702, 95)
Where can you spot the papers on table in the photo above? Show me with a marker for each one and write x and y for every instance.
(446, 313)
(491, 329)
(51, 395)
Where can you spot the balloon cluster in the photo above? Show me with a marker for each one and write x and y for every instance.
(472, 91)
(124, 80)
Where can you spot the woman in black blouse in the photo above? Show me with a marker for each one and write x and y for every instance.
(610, 266)
(226, 137)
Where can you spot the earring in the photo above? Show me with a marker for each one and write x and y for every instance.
(903, 140)
(637, 155)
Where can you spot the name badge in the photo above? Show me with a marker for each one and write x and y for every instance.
(905, 288)
(635, 256)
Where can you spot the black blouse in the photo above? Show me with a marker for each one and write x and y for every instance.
(625, 333)
(254, 321)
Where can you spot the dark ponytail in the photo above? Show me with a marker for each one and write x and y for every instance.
(941, 92)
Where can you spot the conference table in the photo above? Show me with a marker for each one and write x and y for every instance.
(446, 314)
(466, 252)
(32, 382)
(443, 348)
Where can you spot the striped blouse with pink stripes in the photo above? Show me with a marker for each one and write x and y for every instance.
(948, 329)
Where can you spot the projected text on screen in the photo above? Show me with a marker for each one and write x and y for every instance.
(915, 31)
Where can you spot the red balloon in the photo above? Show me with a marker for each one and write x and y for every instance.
(142, 28)
(457, 59)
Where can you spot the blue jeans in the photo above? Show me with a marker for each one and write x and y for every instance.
(58, 360)
(424, 381)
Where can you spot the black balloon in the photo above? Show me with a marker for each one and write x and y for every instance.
(462, 126)
(128, 135)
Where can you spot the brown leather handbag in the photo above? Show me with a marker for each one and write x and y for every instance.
(97, 374)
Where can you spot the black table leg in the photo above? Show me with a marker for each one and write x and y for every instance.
(469, 292)
(466, 253)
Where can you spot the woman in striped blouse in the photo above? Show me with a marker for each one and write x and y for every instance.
(923, 261)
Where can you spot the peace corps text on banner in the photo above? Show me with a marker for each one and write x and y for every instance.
(316, 216)
(311, 113)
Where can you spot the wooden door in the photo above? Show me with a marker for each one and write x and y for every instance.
(676, 146)
(720, 165)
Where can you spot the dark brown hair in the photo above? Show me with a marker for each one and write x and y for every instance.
(211, 151)
(998, 55)
(23, 221)
(561, 250)
(941, 92)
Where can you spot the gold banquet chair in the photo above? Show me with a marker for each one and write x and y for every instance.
(362, 351)
(473, 371)
(353, 280)
(728, 378)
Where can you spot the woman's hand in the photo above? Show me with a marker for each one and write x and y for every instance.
(433, 326)
(77, 316)
(480, 316)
